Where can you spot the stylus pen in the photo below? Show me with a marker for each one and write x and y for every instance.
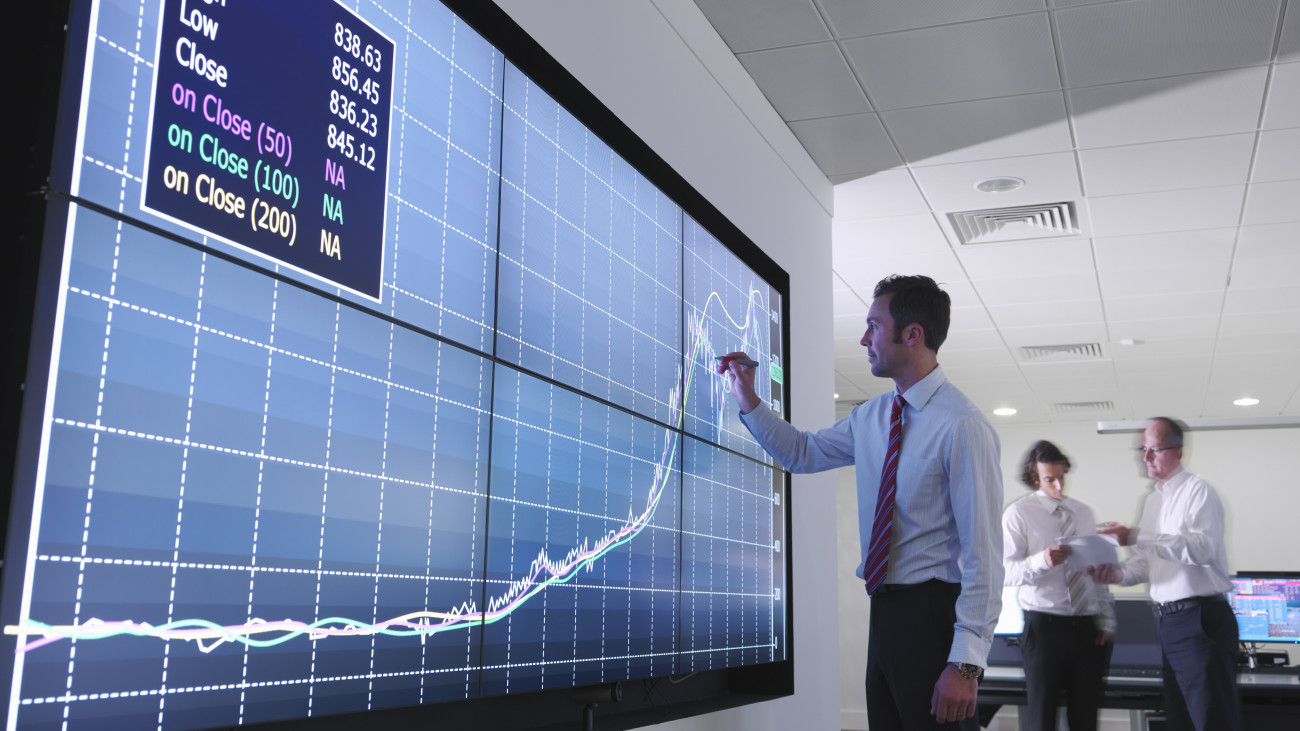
(743, 361)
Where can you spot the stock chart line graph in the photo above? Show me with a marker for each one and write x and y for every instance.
(543, 571)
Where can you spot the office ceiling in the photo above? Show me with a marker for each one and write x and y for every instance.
(1172, 129)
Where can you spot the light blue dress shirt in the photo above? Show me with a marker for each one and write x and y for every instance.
(947, 511)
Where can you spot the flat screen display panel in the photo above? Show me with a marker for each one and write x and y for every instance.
(375, 378)
(1267, 605)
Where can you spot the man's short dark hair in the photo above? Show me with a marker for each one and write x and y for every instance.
(1045, 452)
(917, 299)
(1175, 430)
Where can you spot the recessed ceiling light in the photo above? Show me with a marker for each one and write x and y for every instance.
(1246, 401)
(837, 395)
(1005, 411)
(999, 185)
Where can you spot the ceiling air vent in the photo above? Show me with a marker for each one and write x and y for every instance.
(1016, 223)
(1078, 406)
(1050, 353)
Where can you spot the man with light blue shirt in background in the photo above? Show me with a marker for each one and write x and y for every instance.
(929, 500)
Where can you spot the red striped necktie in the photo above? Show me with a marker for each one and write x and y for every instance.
(877, 565)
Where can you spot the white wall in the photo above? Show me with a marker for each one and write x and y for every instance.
(663, 70)
(1252, 470)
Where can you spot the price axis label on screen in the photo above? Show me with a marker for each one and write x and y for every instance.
(269, 130)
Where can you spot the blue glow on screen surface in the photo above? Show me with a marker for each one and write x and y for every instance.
(477, 449)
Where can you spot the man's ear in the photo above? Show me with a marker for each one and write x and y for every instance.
(914, 335)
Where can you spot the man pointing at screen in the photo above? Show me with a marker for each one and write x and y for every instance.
(929, 506)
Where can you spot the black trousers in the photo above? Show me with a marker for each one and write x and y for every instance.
(1061, 655)
(1199, 643)
(907, 648)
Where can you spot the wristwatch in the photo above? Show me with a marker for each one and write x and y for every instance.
(968, 671)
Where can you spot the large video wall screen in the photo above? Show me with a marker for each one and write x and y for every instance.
(377, 379)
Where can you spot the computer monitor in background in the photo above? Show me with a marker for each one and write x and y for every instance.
(1267, 605)
(1012, 619)
(1005, 650)
(1137, 646)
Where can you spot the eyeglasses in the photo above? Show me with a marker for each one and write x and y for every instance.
(1145, 452)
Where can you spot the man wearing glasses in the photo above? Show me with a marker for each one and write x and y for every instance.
(1178, 548)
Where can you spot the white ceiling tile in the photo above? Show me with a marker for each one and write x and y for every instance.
(1261, 323)
(1273, 386)
(972, 358)
(803, 82)
(1155, 347)
(1046, 287)
(1283, 107)
(848, 302)
(1195, 163)
(1210, 248)
(1115, 42)
(1073, 391)
(950, 63)
(1164, 304)
(887, 193)
(1132, 282)
(1263, 299)
(1197, 366)
(848, 390)
(1071, 312)
(747, 25)
(966, 374)
(1026, 258)
(1267, 256)
(1096, 371)
(1048, 178)
(1173, 395)
(863, 271)
(851, 145)
(1142, 331)
(918, 233)
(1272, 203)
(848, 328)
(1022, 337)
(1279, 155)
(1178, 210)
(959, 340)
(1234, 344)
(1289, 47)
(970, 318)
(1200, 105)
(962, 292)
(858, 372)
(982, 129)
(852, 18)
(849, 347)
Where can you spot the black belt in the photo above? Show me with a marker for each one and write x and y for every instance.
(884, 589)
(1049, 618)
(1164, 609)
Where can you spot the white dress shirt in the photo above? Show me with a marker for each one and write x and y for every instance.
(1179, 548)
(949, 494)
(1029, 526)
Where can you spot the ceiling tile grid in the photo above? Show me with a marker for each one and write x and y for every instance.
(1171, 126)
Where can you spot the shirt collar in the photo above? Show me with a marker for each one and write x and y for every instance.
(1174, 480)
(1048, 502)
(923, 390)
